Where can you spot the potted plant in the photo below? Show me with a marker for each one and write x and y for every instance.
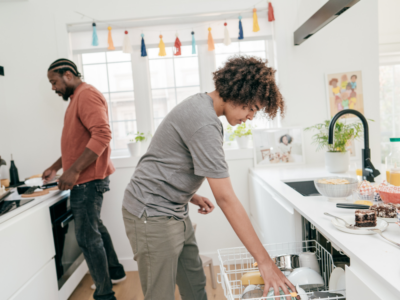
(336, 157)
(134, 145)
(241, 133)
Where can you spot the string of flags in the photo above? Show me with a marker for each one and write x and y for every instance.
(126, 48)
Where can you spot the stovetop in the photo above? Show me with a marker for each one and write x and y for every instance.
(9, 205)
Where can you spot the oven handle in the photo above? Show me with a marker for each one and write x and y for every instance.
(68, 219)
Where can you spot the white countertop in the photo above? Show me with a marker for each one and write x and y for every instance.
(48, 199)
(370, 252)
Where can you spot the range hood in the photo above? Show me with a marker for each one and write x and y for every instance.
(326, 14)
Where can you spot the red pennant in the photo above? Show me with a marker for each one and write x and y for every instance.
(177, 45)
(271, 16)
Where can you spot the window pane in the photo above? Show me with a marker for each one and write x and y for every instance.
(187, 71)
(252, 46)
(183, 93)
(122, 133)
(152, 53)
(163, 101)
(96, 75)
(256, 54)
(116, 56)
(93, 58)
(161, 73)
(187, 51)
(123, 110)
(221, 59)
(125, 96)
(120, 77)
(233, 48)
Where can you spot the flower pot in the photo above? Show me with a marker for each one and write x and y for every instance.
(337, 162)
(243, 141)
(134, 148)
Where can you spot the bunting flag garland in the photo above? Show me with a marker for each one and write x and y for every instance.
(271, 16)
(126, 47)
(227, 38)
(193, 44)
(177, 46)
(110, 41)
(161, 45)
(256, 27)
(210, 40)
(95, 40)
(143, 47)
(240, 29)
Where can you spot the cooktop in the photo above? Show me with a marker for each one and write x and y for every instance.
(9, 205)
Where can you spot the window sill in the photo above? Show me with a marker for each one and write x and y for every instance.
(121, 162)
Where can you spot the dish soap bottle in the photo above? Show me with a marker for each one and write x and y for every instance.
(14, 178)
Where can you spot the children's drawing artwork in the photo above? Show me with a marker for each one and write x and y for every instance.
(345, 91)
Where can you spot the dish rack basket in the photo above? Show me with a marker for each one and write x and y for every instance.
(235, 262)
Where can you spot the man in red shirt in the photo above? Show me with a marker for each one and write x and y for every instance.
(85, 159)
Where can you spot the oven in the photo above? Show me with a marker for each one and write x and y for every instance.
(69, 256)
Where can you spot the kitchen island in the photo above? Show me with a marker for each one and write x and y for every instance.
(276, 210)
(27, 253)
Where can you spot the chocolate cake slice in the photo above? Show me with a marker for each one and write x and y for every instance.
(384, 210)
(365, 218)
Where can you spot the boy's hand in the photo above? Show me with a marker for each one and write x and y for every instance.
(205, 205)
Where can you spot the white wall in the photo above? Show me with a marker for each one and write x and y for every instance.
(33, 34)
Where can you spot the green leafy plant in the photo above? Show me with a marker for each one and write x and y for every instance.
(139, 137)
(342, 134)
(239, 131)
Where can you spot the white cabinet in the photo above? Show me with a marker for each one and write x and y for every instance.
(26, 247)
(43, 286)
(273, 217)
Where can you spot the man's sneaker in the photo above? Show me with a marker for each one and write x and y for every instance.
(113, 281)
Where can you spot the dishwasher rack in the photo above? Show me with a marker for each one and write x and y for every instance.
(235, 262)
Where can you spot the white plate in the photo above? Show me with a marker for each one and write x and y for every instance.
(337, 282)
(389, 220)
(380, 224)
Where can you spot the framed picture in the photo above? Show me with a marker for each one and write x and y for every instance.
(345, 90)
(278, 146)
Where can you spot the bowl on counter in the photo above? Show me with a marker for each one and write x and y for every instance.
(336, 192)
(390, 197)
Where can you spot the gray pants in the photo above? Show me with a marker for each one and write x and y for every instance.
(167, 254)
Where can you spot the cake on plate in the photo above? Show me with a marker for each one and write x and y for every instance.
(365, 218)
(384, 210)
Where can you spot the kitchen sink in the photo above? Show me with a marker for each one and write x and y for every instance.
(306, 188)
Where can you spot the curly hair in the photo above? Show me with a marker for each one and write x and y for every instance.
(246, 80)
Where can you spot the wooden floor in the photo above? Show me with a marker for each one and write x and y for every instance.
(130, 289)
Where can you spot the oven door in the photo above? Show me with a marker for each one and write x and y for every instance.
(69, 256)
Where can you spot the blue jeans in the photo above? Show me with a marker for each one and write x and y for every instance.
(93, 237)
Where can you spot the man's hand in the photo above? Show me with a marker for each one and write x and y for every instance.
(49, 174)
(68, 179)
(205, 205)
(274, 278)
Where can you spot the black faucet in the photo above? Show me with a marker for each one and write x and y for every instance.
(368, 170)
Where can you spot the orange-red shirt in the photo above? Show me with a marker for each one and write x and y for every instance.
(86, 126)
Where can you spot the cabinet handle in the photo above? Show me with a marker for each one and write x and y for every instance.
(67, 220)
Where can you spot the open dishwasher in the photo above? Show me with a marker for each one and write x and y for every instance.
(236, 262)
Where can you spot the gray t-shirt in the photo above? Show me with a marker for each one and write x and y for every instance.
(186, 148)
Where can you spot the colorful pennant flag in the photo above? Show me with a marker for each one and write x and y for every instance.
(227, 38)
(256, 27)
(110, 41)
(177, 46)
(240, 29)
(143, 51)
(193, 44)
(161, 45)
(126, 47)
(210, 42)
(271, 16)
(95, 39)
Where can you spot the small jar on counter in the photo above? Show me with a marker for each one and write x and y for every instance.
(392, 162)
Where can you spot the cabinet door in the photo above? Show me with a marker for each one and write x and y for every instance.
(277, 220)
(26, 247)
(43, 286)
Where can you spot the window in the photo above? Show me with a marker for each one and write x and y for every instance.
(389, 78)
(173, 79)
(111, 74)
